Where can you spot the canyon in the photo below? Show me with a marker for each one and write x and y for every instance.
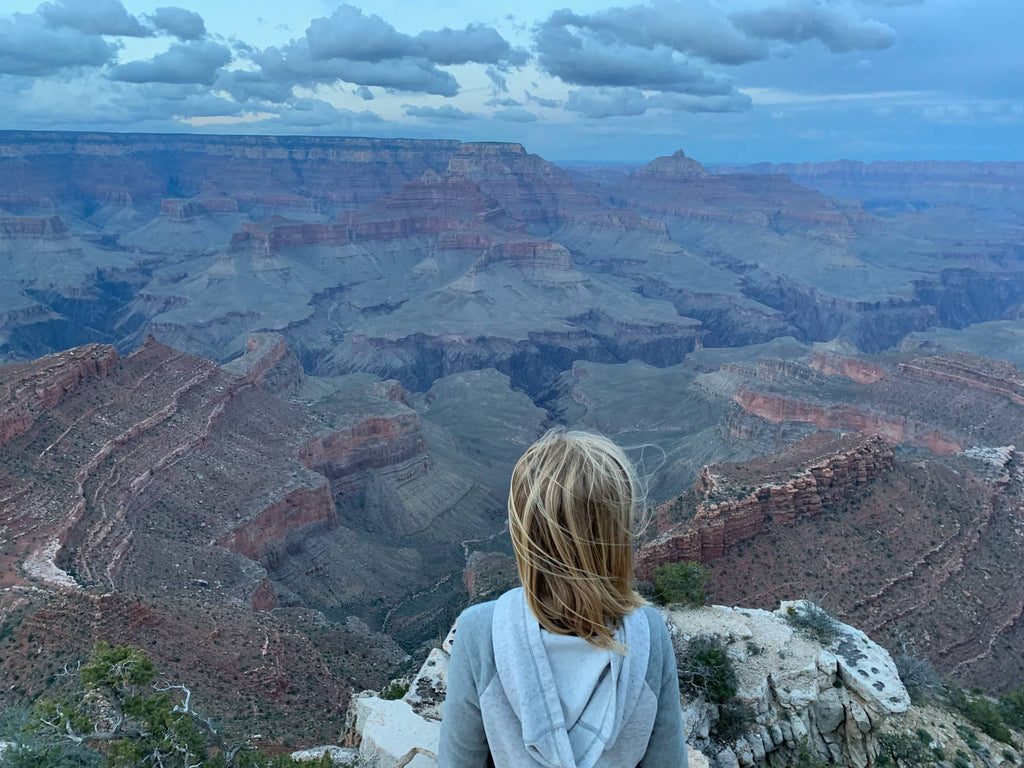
(265, 394)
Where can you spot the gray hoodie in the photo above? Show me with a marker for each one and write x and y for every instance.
(526, 697)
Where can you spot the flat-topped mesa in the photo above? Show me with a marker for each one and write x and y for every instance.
(184, 209)
(533, 257)
(32, 227)
(27, 390)
(733, 501)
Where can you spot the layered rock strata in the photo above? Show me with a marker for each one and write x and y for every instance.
(729, 510)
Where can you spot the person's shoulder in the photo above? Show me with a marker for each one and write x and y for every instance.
(656, 620)
(475, 622)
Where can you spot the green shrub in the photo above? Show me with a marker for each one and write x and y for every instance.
(706, 669)
(395, 690)
(684, 582)
(735, 718)
(918, 677)
(1011, 705)
(805, 756)
(984, 714)
(905, 750)
(813, 621)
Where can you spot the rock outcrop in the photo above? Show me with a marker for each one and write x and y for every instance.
(830, 699)
(733, 502)
(27, 391)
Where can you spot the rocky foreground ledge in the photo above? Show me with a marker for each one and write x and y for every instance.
(829, 699)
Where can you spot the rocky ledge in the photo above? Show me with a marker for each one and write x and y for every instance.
(829, 698)
(733, 502)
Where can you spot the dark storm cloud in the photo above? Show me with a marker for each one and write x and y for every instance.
(183, 24)
(29, 47)
(630, 102)
(93, 17)
(280, 69)
(838, 27)
(194, 62)
(446, 112)
(584, 60)
(694, 28)
(515, 115)
(350, 34)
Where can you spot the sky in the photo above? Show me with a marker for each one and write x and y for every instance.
(727, 81)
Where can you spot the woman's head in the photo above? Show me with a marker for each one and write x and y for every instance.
(571, 509)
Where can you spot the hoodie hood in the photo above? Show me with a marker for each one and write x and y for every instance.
(571, 697)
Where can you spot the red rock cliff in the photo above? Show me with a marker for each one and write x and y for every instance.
(729, 511)
(27, 390)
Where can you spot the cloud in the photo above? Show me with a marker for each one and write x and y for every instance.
(350, 34)
(317, 113)
(540, 101)
(582, 59)
(97, 102)
(93, 17)
(838, 27)
(193, 62)
(515, 115)
(183, 24)
(503, 102)
(499, 84)
(446, 112)
(364, 93)
(476, 43)
(29, 47)
(695, 28)
(607, 102)
(599, 103)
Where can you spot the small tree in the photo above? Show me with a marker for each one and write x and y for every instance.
(136, 720)
(684, 582)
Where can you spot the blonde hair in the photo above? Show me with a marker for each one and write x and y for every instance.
(571, 508)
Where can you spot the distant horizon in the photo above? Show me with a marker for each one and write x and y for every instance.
(555, 160)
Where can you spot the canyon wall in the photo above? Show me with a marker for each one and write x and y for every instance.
(728, 511)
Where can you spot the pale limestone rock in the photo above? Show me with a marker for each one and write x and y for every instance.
(757, 746)
(828, 711)
(391, 730)
(426, 692)
(696, 759)
(446, 646)
(744, 753)
(727, 759)
(859, 716)
(339, 755)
